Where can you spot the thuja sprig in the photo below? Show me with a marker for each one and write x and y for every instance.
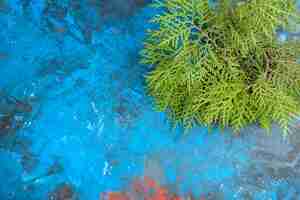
(223, 64)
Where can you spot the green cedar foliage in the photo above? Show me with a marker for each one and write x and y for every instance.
(223, 64)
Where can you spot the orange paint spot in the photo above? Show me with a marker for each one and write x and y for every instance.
(114, 196)
(162, 191)
(145, 188)
(150, 183)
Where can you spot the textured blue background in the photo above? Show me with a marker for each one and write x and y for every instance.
(73, 96)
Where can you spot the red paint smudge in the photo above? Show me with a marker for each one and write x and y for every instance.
(145, 187)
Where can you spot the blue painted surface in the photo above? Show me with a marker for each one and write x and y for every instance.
(76, 65)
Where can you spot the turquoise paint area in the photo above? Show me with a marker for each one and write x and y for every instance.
(73, 109)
